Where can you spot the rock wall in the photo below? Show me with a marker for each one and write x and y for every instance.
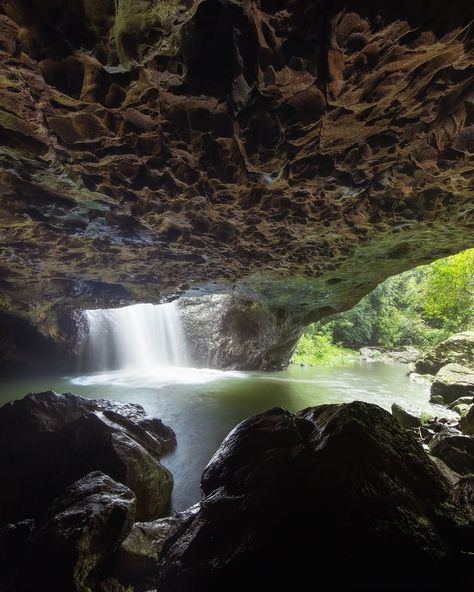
(301, 152)
(232, 333)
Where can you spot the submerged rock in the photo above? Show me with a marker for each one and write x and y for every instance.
(452, 382)
(337, 490)
(48, 441)
(457, 349)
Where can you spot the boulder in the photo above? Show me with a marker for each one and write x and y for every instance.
(14, 539)
(137, 558)
(452, 382)
(466, 422)
(48, 441)
(335, 493)
(79, 534)
(457, 451)
(463, 494)
(405, 355)
(407, 417)
(458, 349)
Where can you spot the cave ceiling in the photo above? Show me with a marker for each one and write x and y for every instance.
(295, 152)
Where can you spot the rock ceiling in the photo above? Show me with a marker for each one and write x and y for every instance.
(298, 152)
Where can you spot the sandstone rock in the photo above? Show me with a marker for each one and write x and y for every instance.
(407, 417)
(467, 422)
(335, 485)
(457, 349)
(79, 533)
(452, 382)
(48, 441)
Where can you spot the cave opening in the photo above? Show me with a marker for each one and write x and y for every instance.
(203, 381)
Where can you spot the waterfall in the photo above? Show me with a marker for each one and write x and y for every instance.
(140, 338)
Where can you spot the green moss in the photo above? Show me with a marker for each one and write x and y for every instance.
(135, 19)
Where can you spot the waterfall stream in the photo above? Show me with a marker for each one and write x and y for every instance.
(139, 338)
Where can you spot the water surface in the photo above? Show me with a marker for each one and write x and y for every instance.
(202, 406)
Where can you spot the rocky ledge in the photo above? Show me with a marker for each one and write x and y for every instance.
(296, 153)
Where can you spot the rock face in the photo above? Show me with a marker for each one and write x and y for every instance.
(48, 441)
(232, 333)
(296, 153)
(457, 349)
(336, 492)
(452, 382)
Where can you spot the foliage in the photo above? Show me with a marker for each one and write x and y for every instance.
(316, 348)
(420, 307)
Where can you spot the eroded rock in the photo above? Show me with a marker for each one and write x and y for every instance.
(295, 155)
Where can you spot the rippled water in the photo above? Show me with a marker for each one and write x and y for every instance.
(202, 406)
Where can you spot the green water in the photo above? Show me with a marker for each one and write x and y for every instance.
(203, 406)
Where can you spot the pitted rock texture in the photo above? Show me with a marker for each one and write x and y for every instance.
(298, 151)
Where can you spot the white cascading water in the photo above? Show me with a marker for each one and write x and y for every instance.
(139, 338)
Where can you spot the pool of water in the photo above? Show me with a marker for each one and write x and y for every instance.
(202, 406)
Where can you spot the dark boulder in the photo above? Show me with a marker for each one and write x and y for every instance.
(463, 494)
(407, 417)
(14, 540)
(79, 534)
(466, 423)
(336, 493)
(48, 441)
(137, 558)
(456, 451)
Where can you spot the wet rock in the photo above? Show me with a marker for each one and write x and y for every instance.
(89, 443)
(467, 422)
(463, 494)
(14, 540)
(407, 417)
(457, 349)
(452, 382)
(79, 533)
(137, 558)
(335, 485)
(457, 451)
(48, 441)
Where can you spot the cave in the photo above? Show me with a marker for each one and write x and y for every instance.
(199, 200)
